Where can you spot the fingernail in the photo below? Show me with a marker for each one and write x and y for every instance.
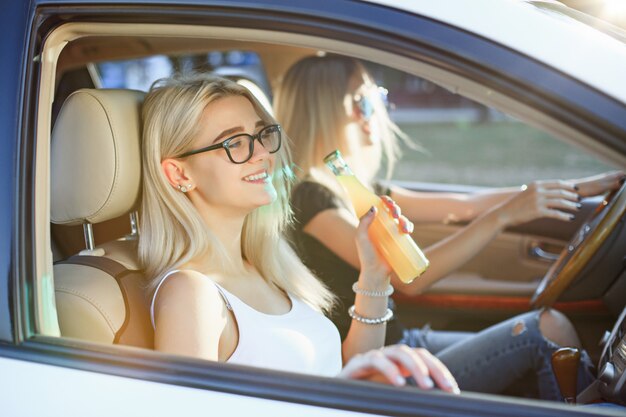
(428, 382)
(576, 187)
(579, 205)
(579, 198)
(400, 380)
(450, 386)
(572, 218)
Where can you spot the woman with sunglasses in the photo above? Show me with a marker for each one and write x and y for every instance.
(225, 285)
(331, 102)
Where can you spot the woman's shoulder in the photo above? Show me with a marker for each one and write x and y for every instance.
(189, 312)
(310, 186)
(309, 192)
(309, 198)
(188, 286)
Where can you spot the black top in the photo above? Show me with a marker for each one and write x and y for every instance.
(308, 199)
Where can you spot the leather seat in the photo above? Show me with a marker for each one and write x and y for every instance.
(96, 177)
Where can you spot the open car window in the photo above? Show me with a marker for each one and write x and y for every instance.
(448, 132)
(457, 140)
(105, 48)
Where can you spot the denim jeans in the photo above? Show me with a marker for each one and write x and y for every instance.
(491, 360)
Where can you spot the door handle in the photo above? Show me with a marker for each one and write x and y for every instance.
(536, 252)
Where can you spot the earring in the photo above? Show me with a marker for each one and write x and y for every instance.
(184, 188)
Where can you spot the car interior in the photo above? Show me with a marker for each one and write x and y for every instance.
(98, 290)
(92, 136)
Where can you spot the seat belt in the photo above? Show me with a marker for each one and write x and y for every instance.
(136, 330)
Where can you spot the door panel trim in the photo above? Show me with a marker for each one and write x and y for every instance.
(493, 302)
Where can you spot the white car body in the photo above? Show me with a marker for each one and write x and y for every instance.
(31, 387)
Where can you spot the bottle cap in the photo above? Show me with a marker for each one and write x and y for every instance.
(334, 154)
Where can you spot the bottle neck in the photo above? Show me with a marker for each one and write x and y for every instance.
(337, 164)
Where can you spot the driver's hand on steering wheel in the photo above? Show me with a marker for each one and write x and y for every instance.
(553, 199)
(599, 184)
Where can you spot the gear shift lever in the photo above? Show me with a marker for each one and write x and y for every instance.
(565, 366)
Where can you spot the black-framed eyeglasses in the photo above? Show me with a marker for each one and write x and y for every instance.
(240, 147)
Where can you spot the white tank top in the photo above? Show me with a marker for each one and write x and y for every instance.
(301, 340)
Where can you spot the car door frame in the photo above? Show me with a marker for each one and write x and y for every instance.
(417, 38)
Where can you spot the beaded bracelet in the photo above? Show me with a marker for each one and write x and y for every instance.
(367, 320)
(367, 293)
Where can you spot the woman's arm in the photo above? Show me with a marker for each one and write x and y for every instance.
(336, 229)
(423, 207)
(190, 318)
(555, 199)
(374, 276)
(434, 207)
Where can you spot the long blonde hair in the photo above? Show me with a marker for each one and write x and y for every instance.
(310, 104)
(173, 232)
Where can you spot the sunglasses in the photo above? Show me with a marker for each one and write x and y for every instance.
(365, 104)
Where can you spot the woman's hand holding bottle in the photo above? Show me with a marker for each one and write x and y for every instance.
(372, 262)
(370, 311)
(398, 249)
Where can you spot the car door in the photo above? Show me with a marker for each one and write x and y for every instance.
(44, 374)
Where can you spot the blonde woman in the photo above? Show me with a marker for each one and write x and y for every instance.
(331, 102)
(225, 285)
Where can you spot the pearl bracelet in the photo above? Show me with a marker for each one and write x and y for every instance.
(367, 320)
(367, 293)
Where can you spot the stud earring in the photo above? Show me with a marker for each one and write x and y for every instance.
(184, 188)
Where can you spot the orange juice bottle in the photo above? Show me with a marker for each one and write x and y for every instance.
(399, 250)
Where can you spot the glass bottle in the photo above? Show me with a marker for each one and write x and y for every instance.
(399, 249)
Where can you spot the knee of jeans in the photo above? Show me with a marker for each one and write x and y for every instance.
(556, 327)
(526, 323)
(519, 327)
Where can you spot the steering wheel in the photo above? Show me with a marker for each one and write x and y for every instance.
(581, 249)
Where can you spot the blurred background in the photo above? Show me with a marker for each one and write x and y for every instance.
(460, 141)
(449, 127)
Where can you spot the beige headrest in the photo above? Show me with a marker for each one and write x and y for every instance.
(96, 159)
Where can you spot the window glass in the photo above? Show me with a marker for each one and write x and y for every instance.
(462, 142)
(137, 74)
(465, 142)
(140, 73)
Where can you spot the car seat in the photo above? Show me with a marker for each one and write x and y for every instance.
(96, 177)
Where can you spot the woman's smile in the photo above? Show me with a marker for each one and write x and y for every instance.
(259, 177)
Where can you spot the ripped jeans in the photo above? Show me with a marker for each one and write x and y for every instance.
(491, 360)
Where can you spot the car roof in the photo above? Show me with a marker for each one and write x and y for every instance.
(547, 31)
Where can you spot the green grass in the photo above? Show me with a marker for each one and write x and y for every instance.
(492, 154)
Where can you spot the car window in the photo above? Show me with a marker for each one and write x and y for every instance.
(454, 140)
(460, 141)
(34, 263)
(139, 74)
